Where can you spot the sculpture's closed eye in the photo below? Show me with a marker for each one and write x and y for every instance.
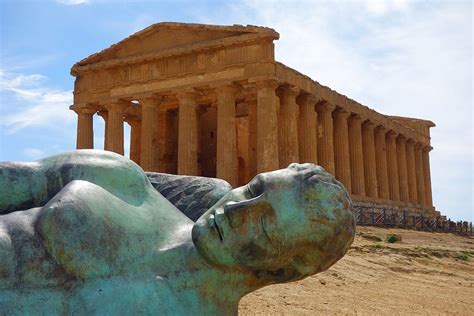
(255, 187)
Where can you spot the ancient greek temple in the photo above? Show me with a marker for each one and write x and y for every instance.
(213, 101)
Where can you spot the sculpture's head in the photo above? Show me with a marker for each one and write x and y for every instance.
(283, 226)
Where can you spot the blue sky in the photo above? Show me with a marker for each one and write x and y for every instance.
(399, 57)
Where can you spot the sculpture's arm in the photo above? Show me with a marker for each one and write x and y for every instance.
(191, 195)
(24, 185)
(92, 233)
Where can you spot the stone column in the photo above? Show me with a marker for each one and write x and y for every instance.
(381, 162)
(226, 165)
(149, 152)
(325, 136)
(267, 133)
(341, 148)
(427, 176)
(135, 139)
(420, 181)
(187, 134)
(288, 151)
(114, 127)
(394, 185)
(252, 103)
(307, 129)
(368, 148)
(85, 128)
(402, 169)
(412, 187)
(356, 155)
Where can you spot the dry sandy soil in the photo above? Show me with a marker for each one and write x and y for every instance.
(424, 273)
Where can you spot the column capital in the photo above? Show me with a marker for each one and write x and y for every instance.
(187, 95)
(419, 146)
(326, 107)
(115, 105)
(411, 141)
(356, 119)
(368, 125)
(225, 88)
(82, 108)
(340, 112)
(306, 98)
(268, 84)
(288, 90)
(427, 148)
(150, 100)
(380, 129)
(391, 134)
(401, 138)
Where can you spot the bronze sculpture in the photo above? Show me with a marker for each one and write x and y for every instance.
(86, 232)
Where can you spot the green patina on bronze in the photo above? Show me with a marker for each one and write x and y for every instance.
(87, 233)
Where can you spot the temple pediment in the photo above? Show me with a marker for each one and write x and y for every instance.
(165, 37)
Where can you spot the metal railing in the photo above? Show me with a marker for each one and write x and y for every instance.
(395, 218)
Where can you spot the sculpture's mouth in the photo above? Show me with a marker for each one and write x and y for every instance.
(216, 227)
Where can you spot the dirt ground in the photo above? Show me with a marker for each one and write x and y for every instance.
(425, 273)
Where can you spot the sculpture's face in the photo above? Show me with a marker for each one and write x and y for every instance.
(284, 225)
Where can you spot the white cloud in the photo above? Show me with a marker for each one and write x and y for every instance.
(73, 2)
(34, 153)
(382, 7)
(32, 103)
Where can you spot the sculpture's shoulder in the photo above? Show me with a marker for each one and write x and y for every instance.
(28, 185)
(192, 195)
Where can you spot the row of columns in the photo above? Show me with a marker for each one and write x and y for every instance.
(285, 126)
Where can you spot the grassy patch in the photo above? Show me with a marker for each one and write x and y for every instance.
(378, 246)
(391, 239)
(464, 256)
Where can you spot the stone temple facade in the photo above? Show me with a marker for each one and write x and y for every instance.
(213, 101)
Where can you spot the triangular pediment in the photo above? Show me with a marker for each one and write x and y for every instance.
(167, 36)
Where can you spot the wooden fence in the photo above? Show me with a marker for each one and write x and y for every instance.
(401, 219)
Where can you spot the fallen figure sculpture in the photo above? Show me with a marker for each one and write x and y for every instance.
(87, 233)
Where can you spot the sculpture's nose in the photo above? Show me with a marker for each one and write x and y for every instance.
(233, 206)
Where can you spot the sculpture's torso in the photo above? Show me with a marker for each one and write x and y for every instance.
(107, 244)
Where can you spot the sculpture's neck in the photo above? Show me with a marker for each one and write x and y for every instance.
(210, 291)
(201, 287)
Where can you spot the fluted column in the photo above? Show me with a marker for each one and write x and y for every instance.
(267, 133)
(226, 165)
(392, 167)
(325, 136)
(356, 155)
(288, 151)
(368, 148)
(252, 103)
(135, 139)
(85, 128)
(402, 169)
(427, 176)
(307, 129)
(149, 149)
(114, 127)
(381, 162)
(411, 169)
(420, 181)
(187, 134)
(341, 148)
